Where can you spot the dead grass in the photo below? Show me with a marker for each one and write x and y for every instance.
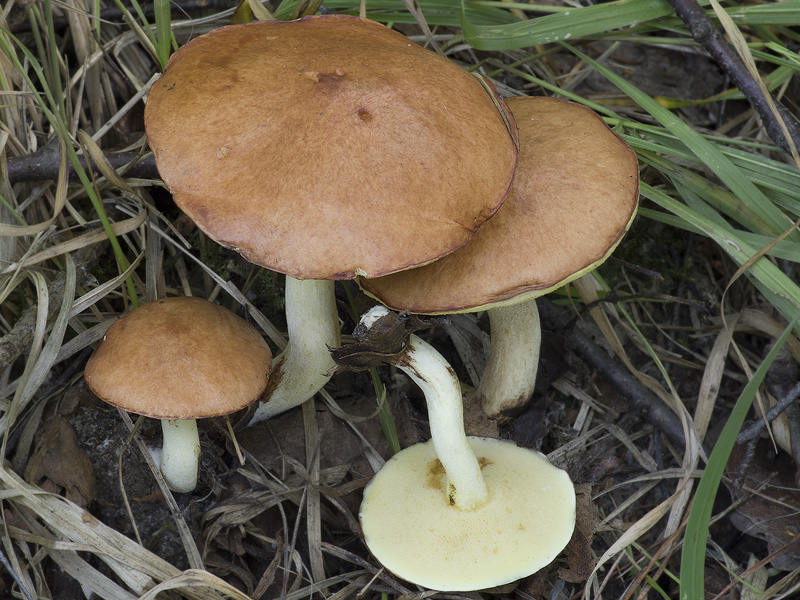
(283, 524)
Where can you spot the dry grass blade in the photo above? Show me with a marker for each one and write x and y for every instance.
(677, 503)
(588, 293)
(712, 376)
(313, 497)
(195, 560)
(739, 42)
(633, 533)
(74, 78)
(99, 292)
(136, 566)
(761, 322)
(194, 578)
(89, 577)
(259, 11)
(82, 241)
(276, 336)
(19, 572)
(39, 364)
(59, 198)
(697, 527)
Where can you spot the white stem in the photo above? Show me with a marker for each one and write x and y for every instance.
(180, 454)
(510, 376)
(431, 372)
(300, 370)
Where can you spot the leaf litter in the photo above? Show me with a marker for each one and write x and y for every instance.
(284, 524)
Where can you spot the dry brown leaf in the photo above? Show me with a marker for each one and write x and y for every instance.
(60, 459)
(578, 552)
(771, 513)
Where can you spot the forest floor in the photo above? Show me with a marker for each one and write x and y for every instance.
(643, 361)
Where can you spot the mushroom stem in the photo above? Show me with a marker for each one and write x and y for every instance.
(510, 376)
(180, 454)
(300, 370)
(466, 488)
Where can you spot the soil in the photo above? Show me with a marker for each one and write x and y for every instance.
(242, 530)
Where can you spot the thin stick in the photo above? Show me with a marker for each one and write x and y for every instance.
(639, 398)
(125, 446)
(10, 569)
(773, 413)
(709, 37)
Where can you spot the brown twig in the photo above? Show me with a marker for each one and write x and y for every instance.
(709, 37)
(43, 165)
(639, 398)
(753, 431)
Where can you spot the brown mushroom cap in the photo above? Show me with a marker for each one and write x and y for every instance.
(574, 196)
(180, 358)
(328, 146)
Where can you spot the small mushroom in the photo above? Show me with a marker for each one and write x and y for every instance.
(459, 513)
(574, 195)
(324, 148)
(180, 359)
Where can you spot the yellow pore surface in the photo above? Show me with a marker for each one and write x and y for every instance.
(413, 531)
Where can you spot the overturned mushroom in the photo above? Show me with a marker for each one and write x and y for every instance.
(458, 513)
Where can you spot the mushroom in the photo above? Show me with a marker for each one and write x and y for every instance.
(324, 148)
(459, 513)
(180, 359)
(574, 195)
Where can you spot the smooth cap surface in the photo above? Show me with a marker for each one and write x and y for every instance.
(574, 196)
(180, 358)
(328, 146)
(415, 533)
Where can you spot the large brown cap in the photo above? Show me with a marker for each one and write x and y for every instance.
(180, 358)
(328, 146)
(574, 196)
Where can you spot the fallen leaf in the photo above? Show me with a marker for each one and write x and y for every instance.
(60, 460)
(770, 514)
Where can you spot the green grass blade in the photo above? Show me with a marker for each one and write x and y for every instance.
(163, 30)
(721, 199)
(785, 14)
(140, 13)
(57, 121)
(779, 289)
(709, 153)
(694, 542)
(57, 99)
(576, 23)
(437, 12)
(778, 181)
(784, 249)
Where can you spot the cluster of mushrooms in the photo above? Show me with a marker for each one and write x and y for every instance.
(333, 148)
